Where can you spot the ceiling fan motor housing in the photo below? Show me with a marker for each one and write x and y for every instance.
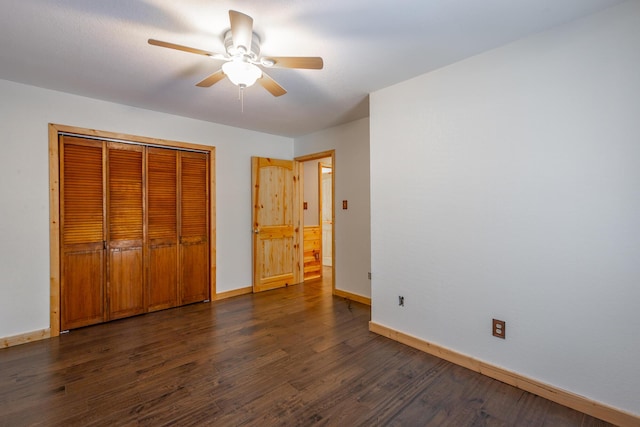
(253, 54)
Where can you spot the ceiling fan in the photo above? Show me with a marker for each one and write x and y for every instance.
(242, 57)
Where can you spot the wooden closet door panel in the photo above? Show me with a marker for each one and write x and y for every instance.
(126, 282)
(194, 269)
(82, 289)
(194, 226)
(82, 232)
(162, 214)
(163, 277)
(125, 213)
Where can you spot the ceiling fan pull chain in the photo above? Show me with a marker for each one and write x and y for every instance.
(241, 95)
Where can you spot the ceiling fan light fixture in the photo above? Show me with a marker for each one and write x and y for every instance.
(243, 63)
(241, 73)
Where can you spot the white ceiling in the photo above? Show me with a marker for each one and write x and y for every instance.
(98, 49)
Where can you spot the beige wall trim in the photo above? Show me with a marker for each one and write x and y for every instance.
(352, 297)
(563, 397)
(233, 293)
(25, 338)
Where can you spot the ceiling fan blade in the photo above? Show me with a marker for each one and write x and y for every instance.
(269, 84)
(241, 29)
(212, 79)
(186, 49)
(306, 62)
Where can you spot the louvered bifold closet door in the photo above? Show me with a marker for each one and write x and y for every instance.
(194, 223)
(125, 213)
(82, 227)
(162, 214)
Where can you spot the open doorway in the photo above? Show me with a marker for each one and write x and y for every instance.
(318, 216)
(325, 196)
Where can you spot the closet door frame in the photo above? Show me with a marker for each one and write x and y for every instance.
(54, 203)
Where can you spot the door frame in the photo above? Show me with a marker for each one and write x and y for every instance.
(319, 156)
(54, 204)
(321, 207)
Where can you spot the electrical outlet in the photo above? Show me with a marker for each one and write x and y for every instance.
(400, 300)
(499, 328)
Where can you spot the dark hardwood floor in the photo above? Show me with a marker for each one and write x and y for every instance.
(293, 356)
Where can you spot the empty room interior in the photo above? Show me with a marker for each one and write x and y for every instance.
(336, 213)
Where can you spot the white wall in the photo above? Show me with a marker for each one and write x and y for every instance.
(351, 174)
(311, 216)
(25, 112)
(310, 193)
(508, 186)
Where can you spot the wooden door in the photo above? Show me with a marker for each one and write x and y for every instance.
(162, 217)
(133, 231)
(82, 226)
(276, 223)
(194, 226)
(125, 280)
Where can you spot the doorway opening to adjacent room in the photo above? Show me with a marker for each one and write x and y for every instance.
(318, 216)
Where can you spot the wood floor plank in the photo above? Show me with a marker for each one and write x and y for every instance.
(291, 356)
